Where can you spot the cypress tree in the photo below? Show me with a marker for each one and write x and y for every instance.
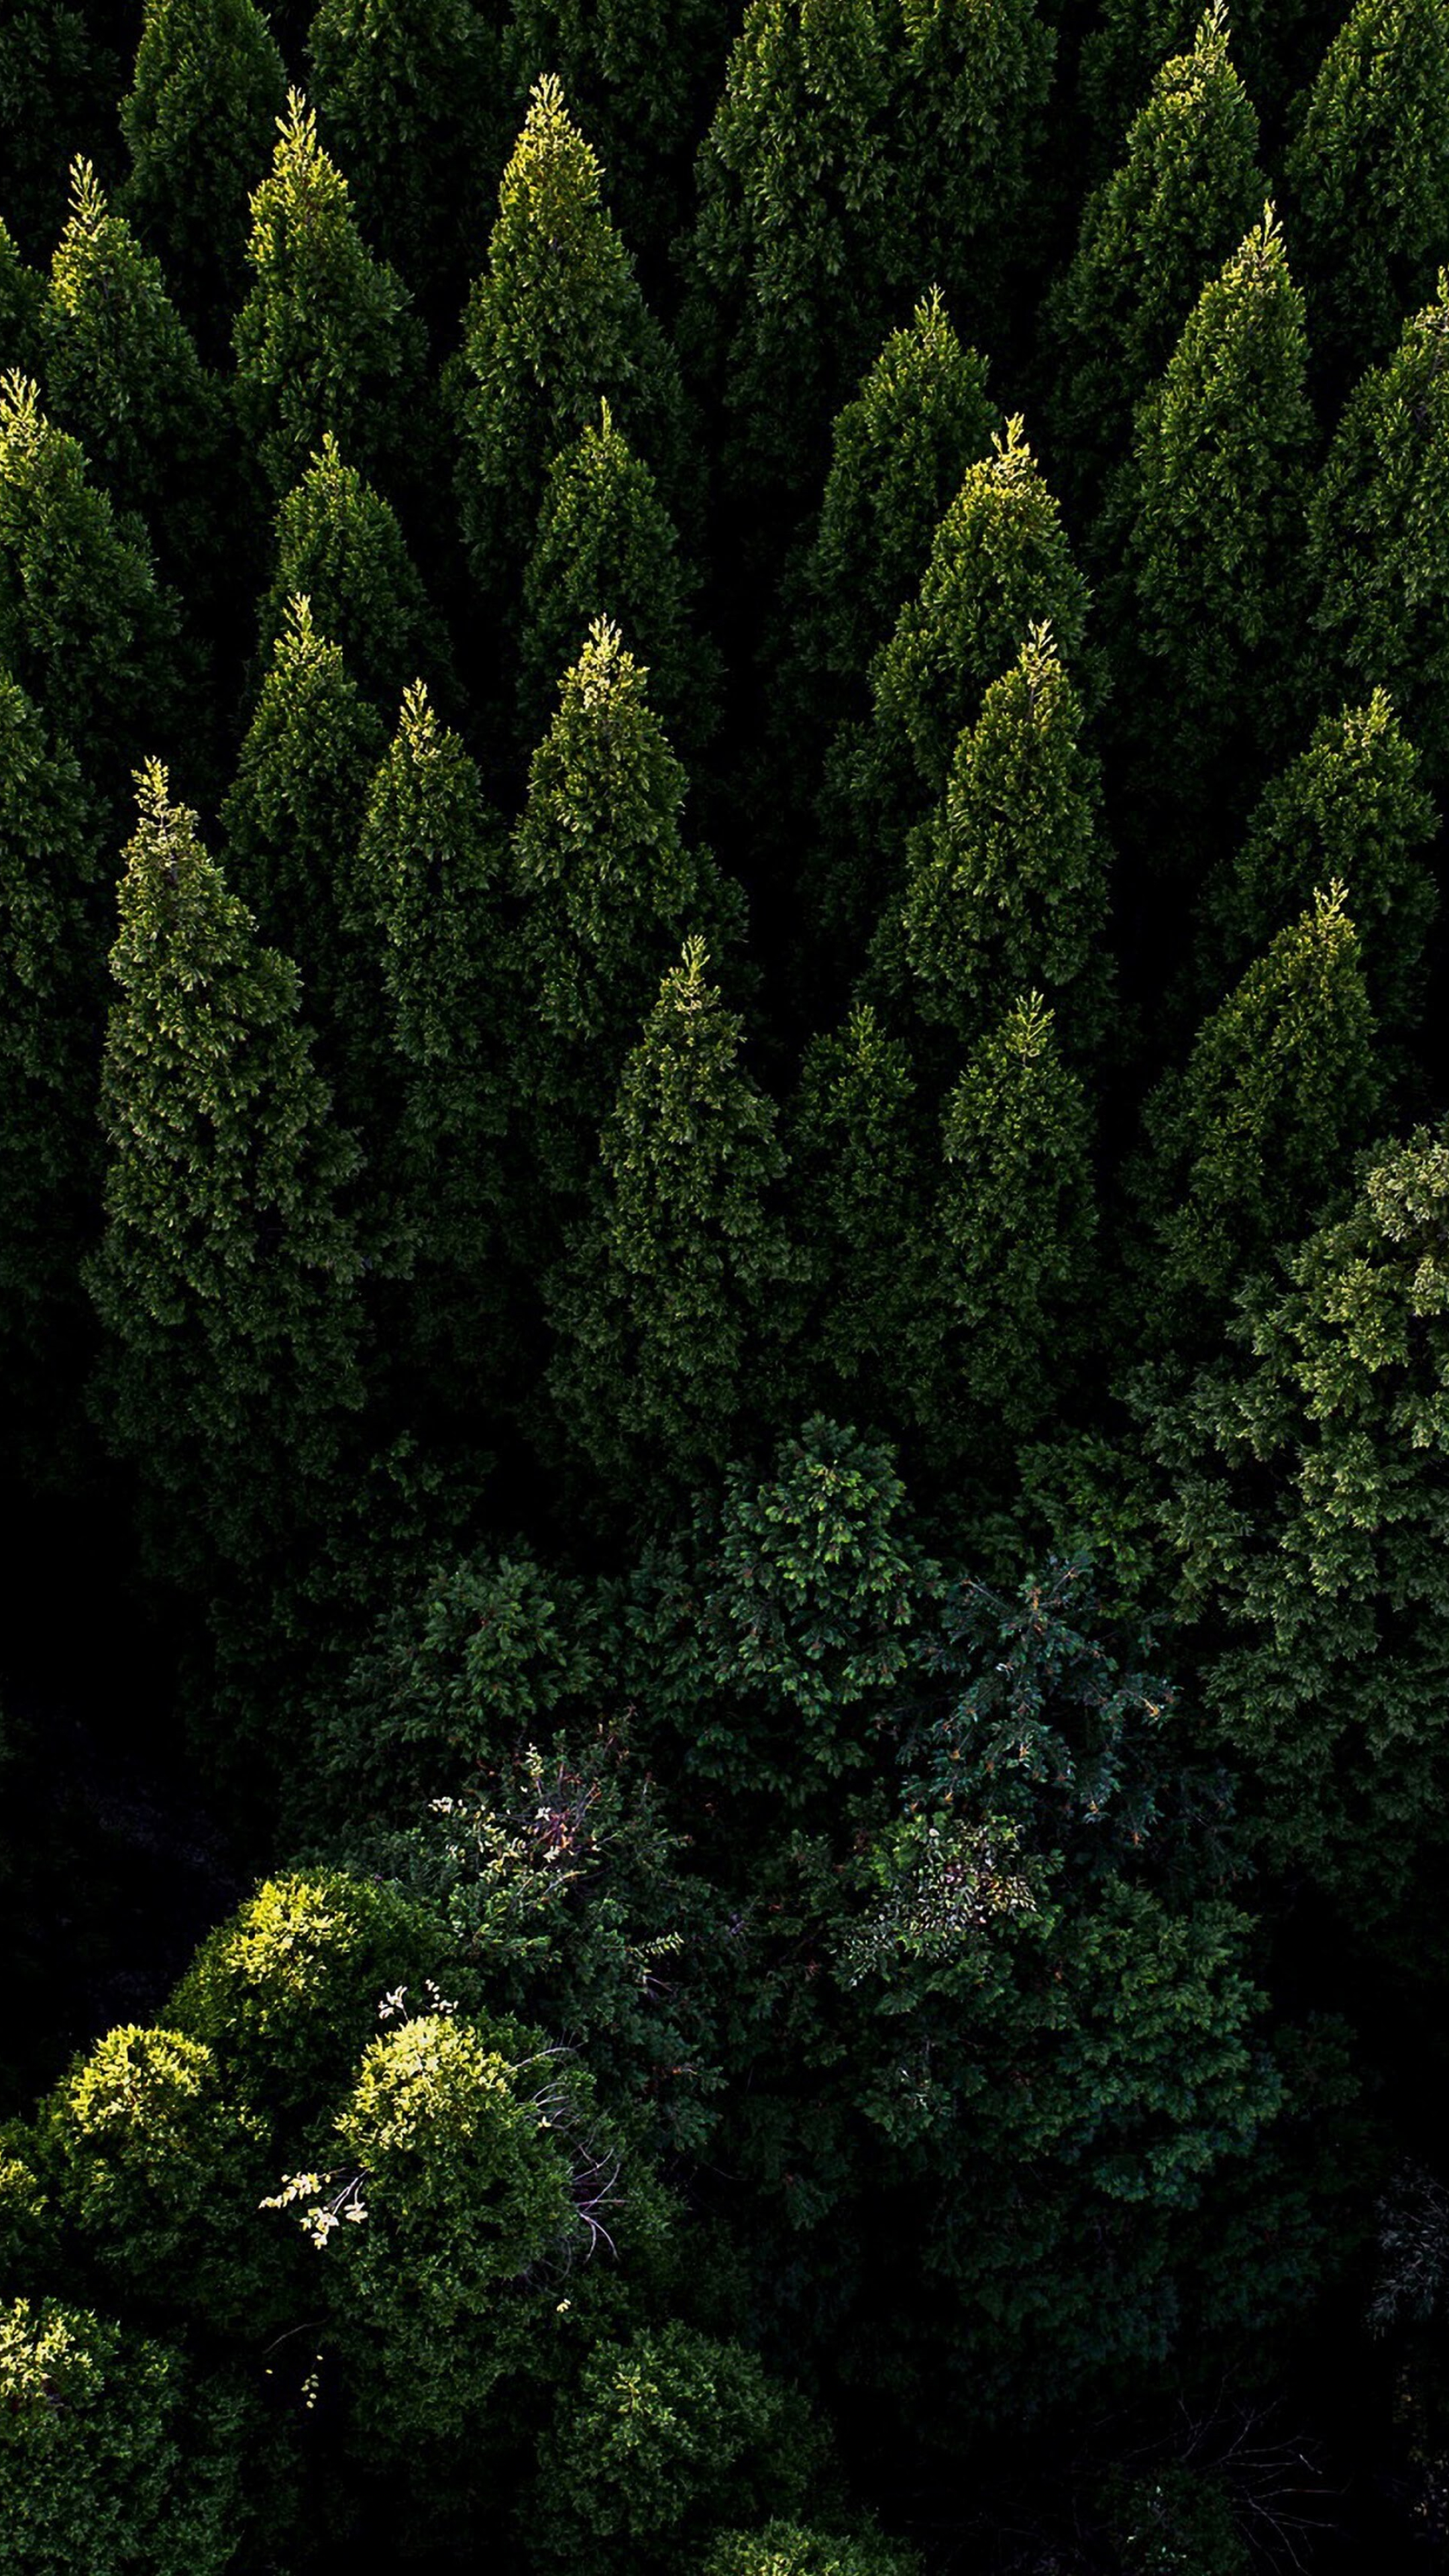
(430, 866)
(643, 76)
(1349, 809)
(1378, 548)
(22, 302)
(970, 85)
(57, 83)
(860, 1210)
(83, 626)
(1251, 1137)
(123, 374)
(1277, 42)
(339, 546)
(51, 957)
(899, 451)
(292, 819)
(408, 96)
(607, 547)
(1012, 1236)
(1000, 563)
(227, 1276)
(1307, 1501)
(1006, 888)
(787, 256)
(323, 340)
(674, 1292)
(555, 322)
(1151, 237)
(1214, 499)
(1367, 175)
(199, 122)
(608, 883)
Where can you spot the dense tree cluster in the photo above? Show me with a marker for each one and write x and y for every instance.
(724, 1181)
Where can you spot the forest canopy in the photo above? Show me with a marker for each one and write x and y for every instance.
(724, 1283)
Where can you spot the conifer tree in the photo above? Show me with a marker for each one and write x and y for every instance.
(52, 962)
(642, 76)
(291, 820)
(122, 372)
(408, 97)
(900, 450)
(999, 564)
(860, 1210)
(1151, 236)
(323, 340)
(84, 627)
(1278, 44)
(555, 323)
(1349, 809)
(58, 78)
(1378, 547)
(607, 547)
(1308, 1504)
(674, 1292)
(199, 122)
(1214, 499)
(22, 302)
(970, 84)
(787, 257)
(608, 884)
(1251, 1138)
(339, 546)
(1006, 885)
(1367, 177)
(1012, 1237)
(430, 865)
(226, 1279)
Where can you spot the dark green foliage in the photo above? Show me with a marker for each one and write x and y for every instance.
(51, 957)
(786, 260)
(22, 301)
(1152, 235)
(226, 1280)
(666, 2434)
(429, 871)
(900, 450)
(607, 548)
(1213, 504)
(292, 819)
(56, 85)
(1367, 177)
(609, 886)
(1014, 1225)
(970, 84)
(199, 122)
(676, 1284)
(339, 546)
(1307, 1506)
(1259, 1129)
(83, 626)
(408, 94)
(859, 1175)
(1006, 887)
(1000, 564)
(103, 2462)
(1348, 810)
(122, 373)
(642, 75)
(324, 340)
(555, 323)
(1378, 551)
